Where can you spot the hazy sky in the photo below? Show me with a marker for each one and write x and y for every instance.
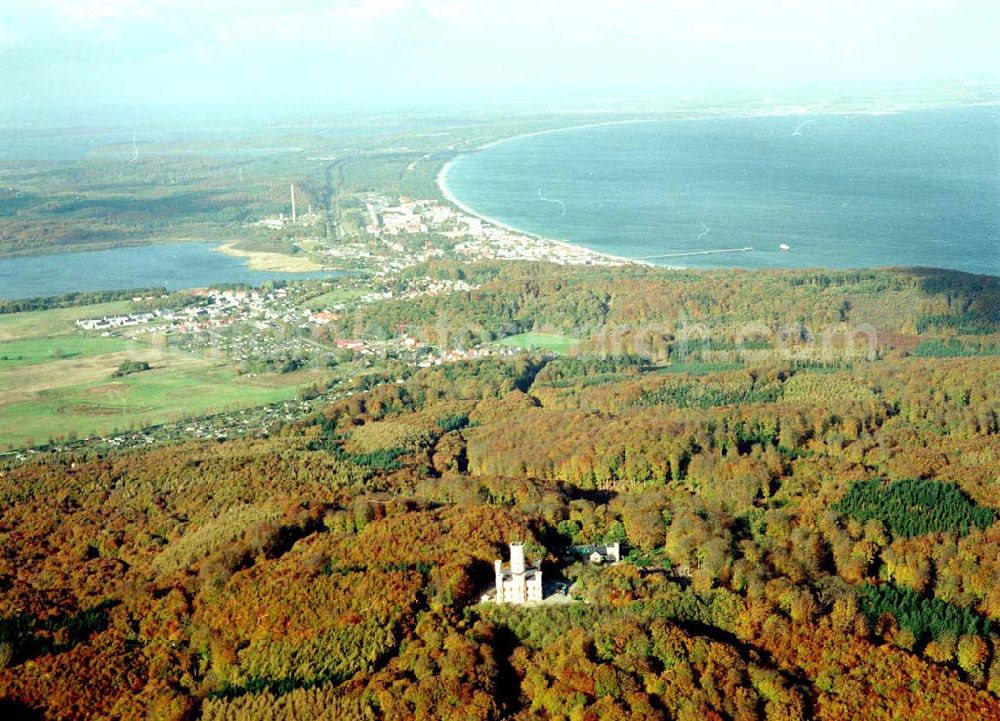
(85, 53)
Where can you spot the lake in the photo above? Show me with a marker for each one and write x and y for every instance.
(918, 188)
(172, 265)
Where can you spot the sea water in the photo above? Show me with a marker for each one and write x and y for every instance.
(918, 188)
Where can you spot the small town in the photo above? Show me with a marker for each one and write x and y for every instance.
(253, 325)
(393, 234)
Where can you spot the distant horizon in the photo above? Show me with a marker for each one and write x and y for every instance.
(305, 114)
(80, 58)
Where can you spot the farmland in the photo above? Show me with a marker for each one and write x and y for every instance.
(57, 382)
(551, 342)
(56, 322)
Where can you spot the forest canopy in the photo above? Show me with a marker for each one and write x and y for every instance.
(802, 537)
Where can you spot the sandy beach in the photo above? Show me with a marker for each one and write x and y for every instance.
(275, 262)
(805, 111)
(571, 251)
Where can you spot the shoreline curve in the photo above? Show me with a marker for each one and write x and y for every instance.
(803, 111)
(442, 183)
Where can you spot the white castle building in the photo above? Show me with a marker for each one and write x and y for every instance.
(517, 584)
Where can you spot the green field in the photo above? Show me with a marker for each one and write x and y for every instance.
(540, 341)
(56, 381)
(59, 321)
(17, 353)
(176, 387)
(333, 297)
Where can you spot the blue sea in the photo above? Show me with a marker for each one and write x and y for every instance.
(172, 265)
(919, 188)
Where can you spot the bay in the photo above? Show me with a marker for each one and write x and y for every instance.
(919, 188)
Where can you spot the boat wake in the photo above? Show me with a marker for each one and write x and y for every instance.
(553, 200)
(747, 249)
(798, 130)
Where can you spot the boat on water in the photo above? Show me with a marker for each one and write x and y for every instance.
(784, 246)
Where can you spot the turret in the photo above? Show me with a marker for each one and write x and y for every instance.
(517, 558)
(498, 569)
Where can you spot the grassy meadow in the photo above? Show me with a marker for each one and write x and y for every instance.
(540, 341)
(55, 322)
(333, 297)
(32, 351)
(56, 381)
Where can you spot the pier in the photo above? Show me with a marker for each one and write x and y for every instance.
(694, 252)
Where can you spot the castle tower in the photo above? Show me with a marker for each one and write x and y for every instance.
(517, 583)
(517, 558)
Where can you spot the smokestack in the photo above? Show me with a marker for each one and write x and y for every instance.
(293, 202)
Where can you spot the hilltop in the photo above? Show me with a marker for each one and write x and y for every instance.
(759, 443)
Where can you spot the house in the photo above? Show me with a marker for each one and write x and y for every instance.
(608, 553)
(348, 344)
(517, 583)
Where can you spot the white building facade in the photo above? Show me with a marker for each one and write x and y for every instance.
(517, 583)
(608, 553)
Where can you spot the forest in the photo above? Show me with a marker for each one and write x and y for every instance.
(810, 525)
(73, 300)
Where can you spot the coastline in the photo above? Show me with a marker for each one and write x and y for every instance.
(442, 175)
(790, 111)
(787, 111)
(570, 249)
(273, 262)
